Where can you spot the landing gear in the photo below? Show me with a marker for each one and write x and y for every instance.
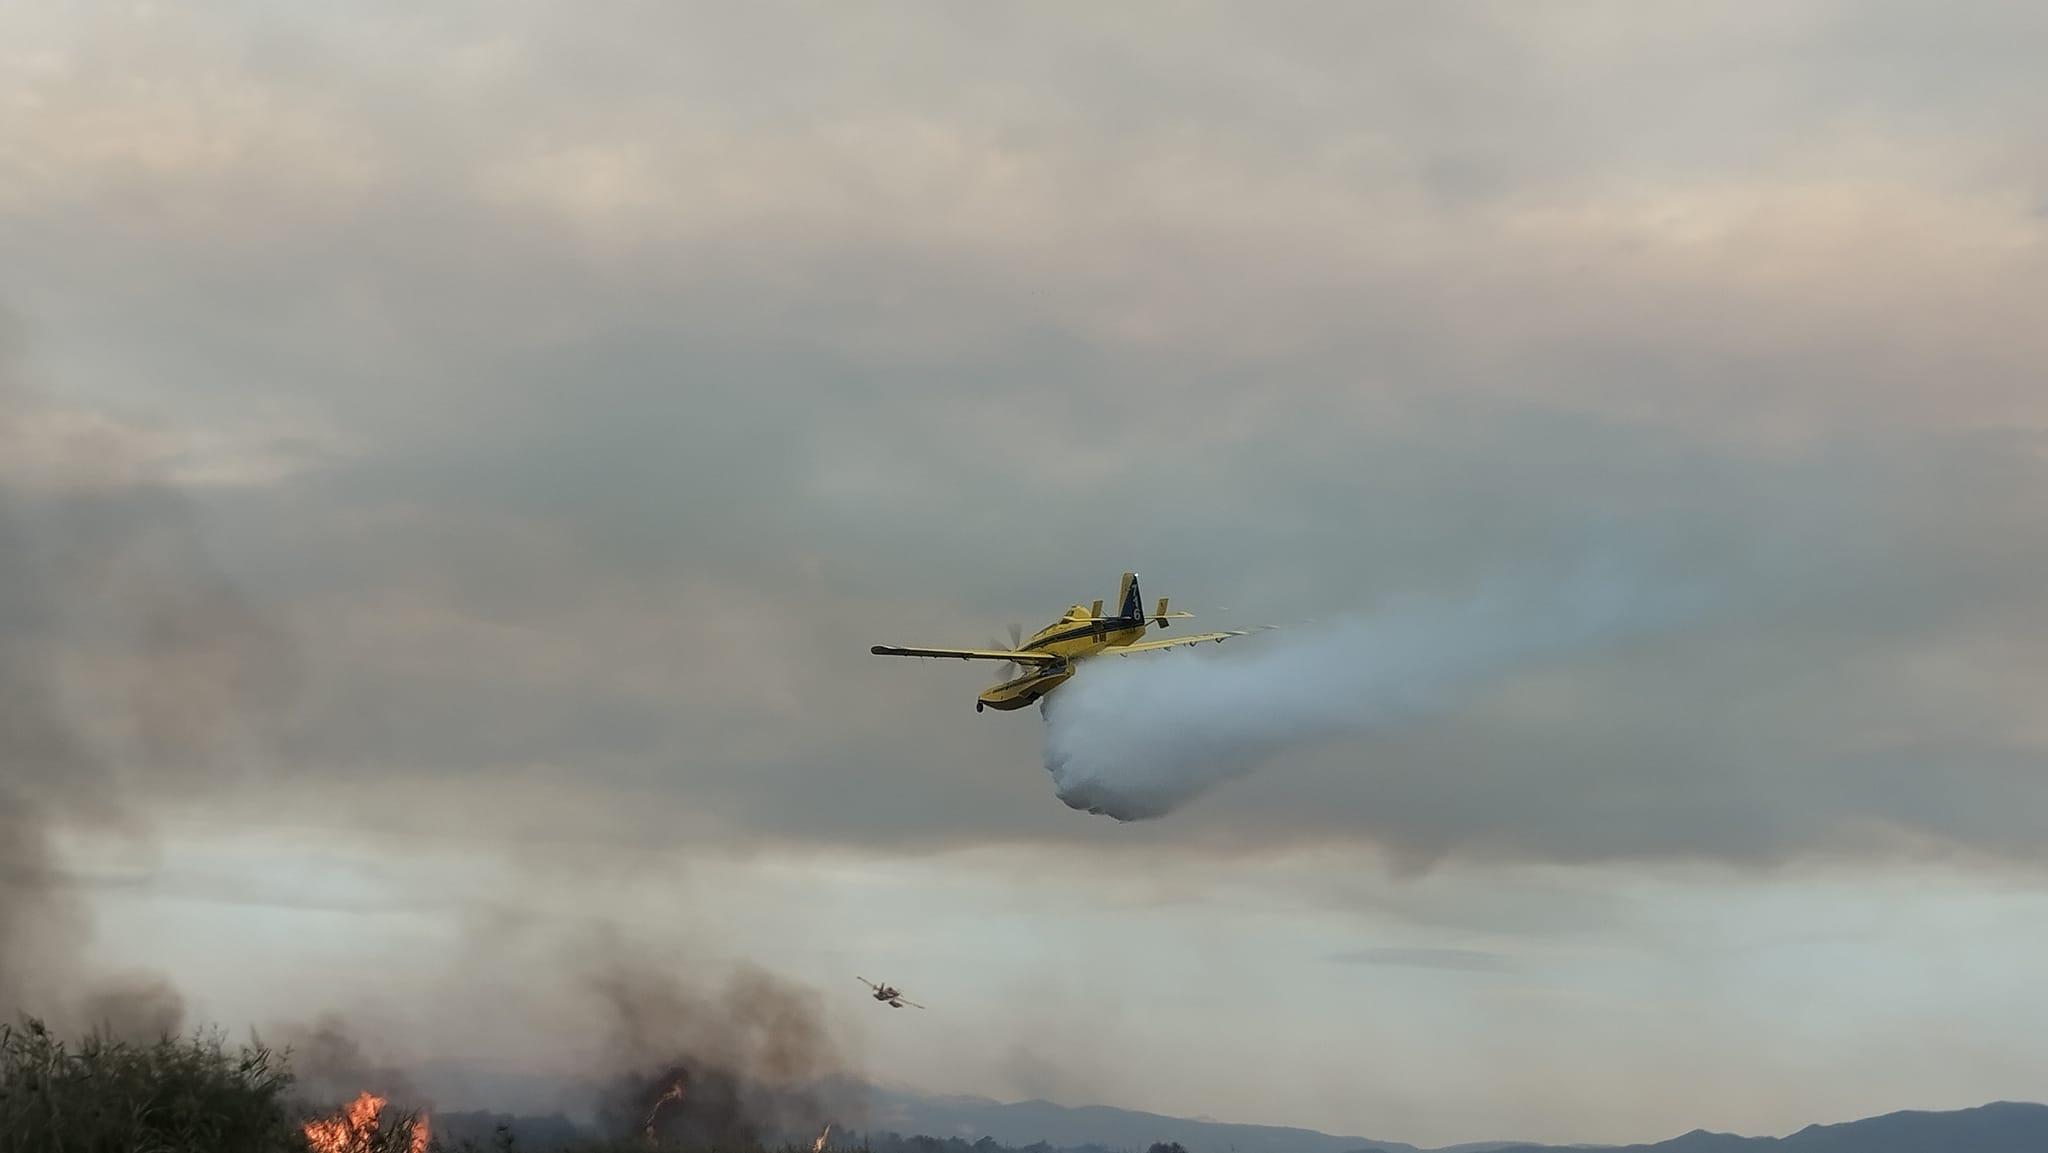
(979, 705)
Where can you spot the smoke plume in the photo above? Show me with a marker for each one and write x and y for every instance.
(136, 1007)
(1139, 737)
(748, 1063)
(129, 670)
(330, 1065)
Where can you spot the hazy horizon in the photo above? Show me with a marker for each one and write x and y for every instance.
(454, 462)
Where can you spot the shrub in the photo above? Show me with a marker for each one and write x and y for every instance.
(109, 1096)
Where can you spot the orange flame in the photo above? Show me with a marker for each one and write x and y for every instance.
(352, 1131)
(673, 1093)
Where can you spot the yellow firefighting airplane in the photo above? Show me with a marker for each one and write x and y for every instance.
(1047, 659)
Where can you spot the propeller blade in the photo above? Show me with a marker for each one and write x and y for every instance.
(1009, 669)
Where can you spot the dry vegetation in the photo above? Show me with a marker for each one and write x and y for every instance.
(191, 1094)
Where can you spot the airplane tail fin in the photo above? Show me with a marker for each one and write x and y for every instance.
(1131, 605)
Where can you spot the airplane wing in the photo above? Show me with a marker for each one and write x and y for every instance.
(912, 1003)
(1022, 658)
(1196, 639)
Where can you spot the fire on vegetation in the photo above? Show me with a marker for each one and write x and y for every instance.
(356, 1129)
(749, 1064)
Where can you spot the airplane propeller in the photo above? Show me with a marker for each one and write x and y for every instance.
(1009, 669)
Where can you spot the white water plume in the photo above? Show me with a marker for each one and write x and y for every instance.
(1137, 737)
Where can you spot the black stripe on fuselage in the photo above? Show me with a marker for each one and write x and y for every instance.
(1087, 630)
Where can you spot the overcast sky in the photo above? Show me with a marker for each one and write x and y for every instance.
(565, 397)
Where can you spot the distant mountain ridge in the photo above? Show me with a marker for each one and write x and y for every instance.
(1022, 1123)
(1998, 1127)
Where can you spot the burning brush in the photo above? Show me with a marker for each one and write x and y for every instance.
(355, 1130)
(700, 1107)
(674, 1092)
(687, 1067)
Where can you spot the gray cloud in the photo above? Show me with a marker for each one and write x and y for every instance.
(1861, 656)
(271, 893)
(582, 395)
(1462, 960)
(1796, 713)
(645, 408)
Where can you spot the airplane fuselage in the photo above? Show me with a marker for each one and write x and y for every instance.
(1074, 637)
(1048, 656)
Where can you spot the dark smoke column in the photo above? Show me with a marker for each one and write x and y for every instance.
(131, 671)
(746, 1063)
